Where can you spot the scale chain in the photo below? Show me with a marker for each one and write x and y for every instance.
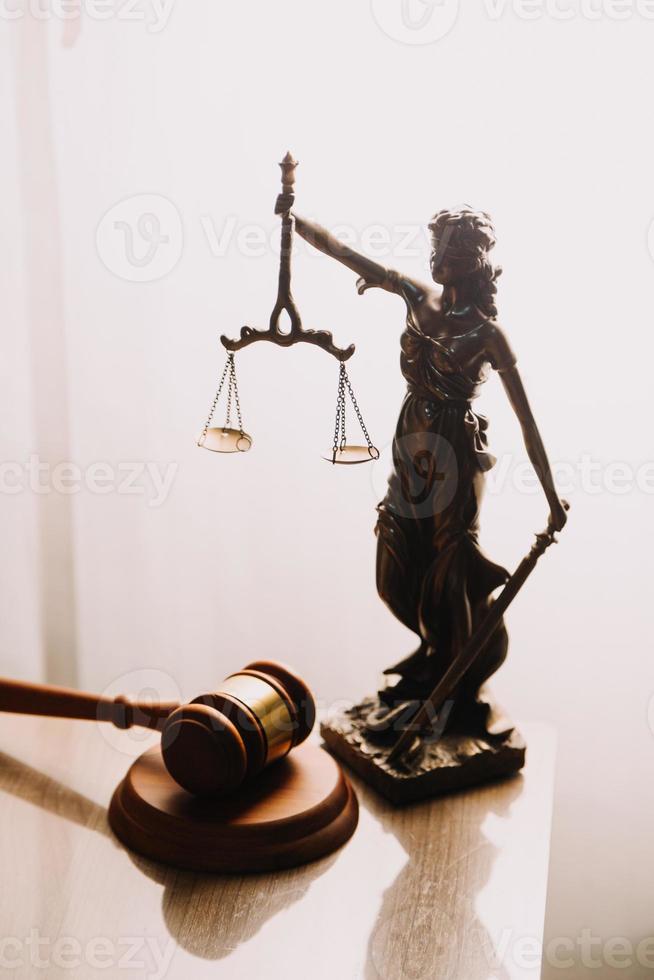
(357, 410)
(339, 427)
(343, 439)
(230, 386)
(340, 439)
(237, 401)
(215, 401)
(229, 375)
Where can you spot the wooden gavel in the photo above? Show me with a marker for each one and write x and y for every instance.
(210, 746)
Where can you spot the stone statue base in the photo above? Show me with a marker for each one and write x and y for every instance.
(452, 762)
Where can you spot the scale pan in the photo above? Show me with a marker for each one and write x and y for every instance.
(352, 454)
(220, 440)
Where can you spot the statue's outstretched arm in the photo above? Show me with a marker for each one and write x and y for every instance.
(370, 273)
(324, 241)
(503, 360)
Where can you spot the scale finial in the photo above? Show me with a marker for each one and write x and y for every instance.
(288, 165)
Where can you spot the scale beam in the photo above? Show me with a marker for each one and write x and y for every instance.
(285, 302)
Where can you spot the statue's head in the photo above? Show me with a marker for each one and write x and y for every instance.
(461, 243)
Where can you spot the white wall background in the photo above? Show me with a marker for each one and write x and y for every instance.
(546, 123)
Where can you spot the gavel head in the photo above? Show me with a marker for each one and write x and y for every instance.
(219, 740)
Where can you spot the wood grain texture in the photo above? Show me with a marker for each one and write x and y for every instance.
(295, 811)
(451, 889)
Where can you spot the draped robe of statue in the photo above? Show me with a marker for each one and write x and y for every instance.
(431, 571)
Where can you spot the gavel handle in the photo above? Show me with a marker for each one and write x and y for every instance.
(21, 698)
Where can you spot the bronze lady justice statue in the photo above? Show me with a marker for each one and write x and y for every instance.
(430, 569)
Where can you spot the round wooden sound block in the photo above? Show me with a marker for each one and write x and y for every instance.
(296, 810)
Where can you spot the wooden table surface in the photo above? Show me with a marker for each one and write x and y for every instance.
(451, 889)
